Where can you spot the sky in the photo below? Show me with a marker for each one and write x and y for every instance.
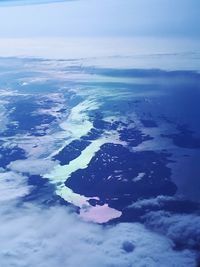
(94, 18)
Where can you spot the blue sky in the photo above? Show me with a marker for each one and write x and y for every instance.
(100, 18)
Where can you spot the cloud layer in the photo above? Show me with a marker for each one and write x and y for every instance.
(43, 237)
(182, 228)
(37, 235)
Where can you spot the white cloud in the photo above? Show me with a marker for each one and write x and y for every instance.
(182, 228)
(33, 235)
(32, 166)
(12, 186)
(153, 202)
(52, 237)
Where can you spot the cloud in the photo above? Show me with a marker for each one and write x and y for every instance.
(12, 186)
(39, 235)
(183, 229)
(32, 166)
(158, 201)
